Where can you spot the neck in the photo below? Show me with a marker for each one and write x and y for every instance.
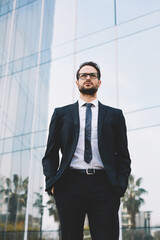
(88, 98)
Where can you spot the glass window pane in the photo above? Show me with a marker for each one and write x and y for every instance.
(127, 10)
(94, 15)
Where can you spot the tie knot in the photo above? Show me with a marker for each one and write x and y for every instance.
(88, 105)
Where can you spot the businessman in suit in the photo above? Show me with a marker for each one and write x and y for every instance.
(95, 164)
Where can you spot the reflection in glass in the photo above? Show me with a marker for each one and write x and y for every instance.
(23, 53)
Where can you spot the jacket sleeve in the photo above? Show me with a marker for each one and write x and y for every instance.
(122, 156)
(50, 160)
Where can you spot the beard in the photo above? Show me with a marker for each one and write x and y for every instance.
(89, 91)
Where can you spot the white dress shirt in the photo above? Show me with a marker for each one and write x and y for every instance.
(78, 157)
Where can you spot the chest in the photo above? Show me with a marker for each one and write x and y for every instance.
(94, 121)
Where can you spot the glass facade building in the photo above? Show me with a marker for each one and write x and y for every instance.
(26, 32)
(123, 38)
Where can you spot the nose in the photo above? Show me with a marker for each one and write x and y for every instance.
(88, 76)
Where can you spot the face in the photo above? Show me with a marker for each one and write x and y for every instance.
(88, 86)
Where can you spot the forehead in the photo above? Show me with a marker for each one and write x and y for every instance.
(88, 69)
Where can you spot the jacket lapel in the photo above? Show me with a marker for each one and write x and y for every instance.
(75, 117)
(102, 111)
(75, 114)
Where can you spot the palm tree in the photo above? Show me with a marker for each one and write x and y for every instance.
(39, 204)
(52, 208)
(53, 212)
(132, 199)
(15, 194)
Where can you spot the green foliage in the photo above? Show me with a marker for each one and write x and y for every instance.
(157, 235)
(132, 199)
(38, 203)
(15, 195)
(52, 208)
(136, 235)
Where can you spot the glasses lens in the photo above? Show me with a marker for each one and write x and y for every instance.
(83, 75)
(91, 75)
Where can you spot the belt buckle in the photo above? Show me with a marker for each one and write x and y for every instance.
(88, 173)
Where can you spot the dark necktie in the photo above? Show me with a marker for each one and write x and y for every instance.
(88, 149)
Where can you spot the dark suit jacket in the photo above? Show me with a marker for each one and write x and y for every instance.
(112, 144)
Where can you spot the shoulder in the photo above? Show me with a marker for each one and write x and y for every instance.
(110, 109)
(66, 108)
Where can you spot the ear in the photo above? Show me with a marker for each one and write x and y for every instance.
(77, 82)
(99, 83)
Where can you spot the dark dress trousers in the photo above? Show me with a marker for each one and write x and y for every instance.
(77, 194)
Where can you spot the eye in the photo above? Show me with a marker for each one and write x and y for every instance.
(93, 75)
(83, 75)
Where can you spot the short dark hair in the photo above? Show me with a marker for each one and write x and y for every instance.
(93, 64)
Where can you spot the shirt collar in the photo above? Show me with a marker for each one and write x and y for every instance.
(82, 102)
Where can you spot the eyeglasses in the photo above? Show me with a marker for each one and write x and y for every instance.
(83, 76)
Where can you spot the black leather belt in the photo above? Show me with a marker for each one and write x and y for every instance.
(88, 171)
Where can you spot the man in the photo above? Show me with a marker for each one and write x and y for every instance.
(95, 164)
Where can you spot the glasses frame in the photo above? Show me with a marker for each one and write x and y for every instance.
(88, 74)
